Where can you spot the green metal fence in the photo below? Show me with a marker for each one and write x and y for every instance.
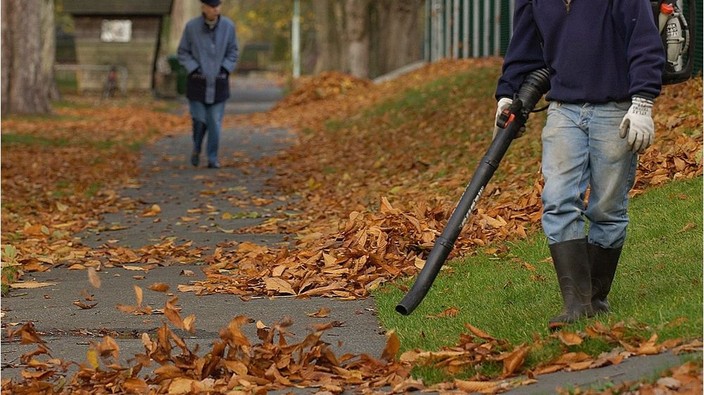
(467, 28)
(478, 28)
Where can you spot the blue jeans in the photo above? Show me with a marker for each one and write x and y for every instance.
(211, 115)
(582, 148)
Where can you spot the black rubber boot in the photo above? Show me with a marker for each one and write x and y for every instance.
(603, 262)
(574, 277)
(198, 135)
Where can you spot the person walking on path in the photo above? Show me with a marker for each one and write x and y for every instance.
(209, 52)
(605, 59)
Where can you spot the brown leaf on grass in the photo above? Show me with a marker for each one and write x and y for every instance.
(692, 346)
(689, 226)
(478, 332)
(572, 357)
(448, 312)
(650, 347)
(514, 360)
(569, 338)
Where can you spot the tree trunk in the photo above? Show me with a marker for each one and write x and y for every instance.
(400, 34)
(181, 12)
(26, 87)
(7, 50)
(357, 28)
(329, 35)
(48, 28)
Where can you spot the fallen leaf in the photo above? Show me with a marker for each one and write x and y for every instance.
(469, 386)
(449, 312)
(393, 345)
(279, 285)
(323, 312)
(92, 358)
(84, 306)
(31, 284)
(514, 360)
(159, 287)
(93, 277)
(569, 338)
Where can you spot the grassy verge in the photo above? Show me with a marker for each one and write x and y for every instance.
(658, 286)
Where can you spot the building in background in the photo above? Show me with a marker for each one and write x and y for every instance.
(121, 35)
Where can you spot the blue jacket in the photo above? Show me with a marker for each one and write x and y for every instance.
(209, 56)
(599, 51)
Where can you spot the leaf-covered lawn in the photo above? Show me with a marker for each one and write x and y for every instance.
(374, 174)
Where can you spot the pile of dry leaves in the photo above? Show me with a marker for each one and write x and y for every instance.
(236, 365)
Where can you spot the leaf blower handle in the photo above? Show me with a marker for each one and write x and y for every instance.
(532, 89)
(508, 114)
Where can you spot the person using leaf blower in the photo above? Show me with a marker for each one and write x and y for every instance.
(208, 51)
(605, 59)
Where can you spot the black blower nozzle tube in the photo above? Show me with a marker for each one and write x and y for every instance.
(533, 88)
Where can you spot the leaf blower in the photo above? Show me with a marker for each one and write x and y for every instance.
(511, 120)
(677, 32)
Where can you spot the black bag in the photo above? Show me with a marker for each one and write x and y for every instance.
(195, 86)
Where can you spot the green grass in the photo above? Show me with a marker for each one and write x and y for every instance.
(13, 139)
(10, 268)
(10, 139)
(658, 285)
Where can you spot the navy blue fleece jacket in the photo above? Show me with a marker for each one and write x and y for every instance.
(598, 51)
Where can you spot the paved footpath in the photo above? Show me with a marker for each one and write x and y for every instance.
(170, 182)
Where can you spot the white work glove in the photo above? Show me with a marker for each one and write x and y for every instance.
(638, 124)
(503, 104)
